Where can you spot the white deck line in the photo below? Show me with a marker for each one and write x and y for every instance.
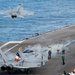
(14, 45)
(9, 43)
(11, 48)
(15, 41)
(4, 45)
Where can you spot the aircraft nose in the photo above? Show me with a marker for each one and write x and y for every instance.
(21, 4)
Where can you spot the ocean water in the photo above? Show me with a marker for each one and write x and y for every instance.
(49, 15)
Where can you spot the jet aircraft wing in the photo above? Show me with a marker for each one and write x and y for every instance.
(7, 12)
(17, 12)
(25, 12)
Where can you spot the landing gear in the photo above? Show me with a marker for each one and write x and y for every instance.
(27, 71)
(9, 72)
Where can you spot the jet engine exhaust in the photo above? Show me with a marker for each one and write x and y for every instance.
(9, 67)
(3, 68)
(13, 16)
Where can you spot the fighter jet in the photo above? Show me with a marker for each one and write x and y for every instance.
(23, 60)
(16, 12)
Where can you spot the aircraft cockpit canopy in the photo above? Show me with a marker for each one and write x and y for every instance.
(28, 50)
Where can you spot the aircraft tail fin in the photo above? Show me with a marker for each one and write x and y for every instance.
(4, 57)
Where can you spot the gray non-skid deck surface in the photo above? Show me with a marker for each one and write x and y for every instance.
(8, 46)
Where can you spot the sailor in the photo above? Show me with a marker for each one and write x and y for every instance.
(20, 48)
(71, 73)
(63, 51)
(64, 73)
(58, 49)
(74, 70)
(63, 60)
(49, 53)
